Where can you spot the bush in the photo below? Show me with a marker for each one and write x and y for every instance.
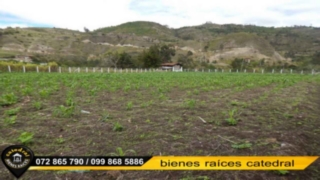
(18, 67)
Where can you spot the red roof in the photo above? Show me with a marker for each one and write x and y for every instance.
(170, 64)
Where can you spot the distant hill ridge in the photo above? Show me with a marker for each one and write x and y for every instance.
(209, 42)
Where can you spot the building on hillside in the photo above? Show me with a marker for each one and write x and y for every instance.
(175, 67)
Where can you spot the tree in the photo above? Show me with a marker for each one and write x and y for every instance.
(150, 58)
(316, 58)
(186, 61)
(155, 55)
(237, 63)
(166, 52)
(86, 30)
(221, 47)
(125, 60)
(110, 59)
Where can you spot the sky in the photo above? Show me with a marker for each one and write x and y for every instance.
(94, 14)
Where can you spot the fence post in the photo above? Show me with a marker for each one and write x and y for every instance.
(237, 71)
(291, 71)
(49, 69)
(24, 69)
(302, 72)
(272, 71)
(101, 70)
(126, 70)
(59, 69)
(281, 71)
(262, 71)
(245, 71)
(9, 68)
(254, 70)
(222, 70)
(37, 69)
(86, 69)
(94, 69)
(108, 70)
(79, 69)
(312, 72)
(69, 70)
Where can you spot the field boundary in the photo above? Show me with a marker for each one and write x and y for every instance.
(60, 69)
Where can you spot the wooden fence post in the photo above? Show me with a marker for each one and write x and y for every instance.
(37, 69)
(9, 68)
(59, 69)
(49, 69)
(24, 69)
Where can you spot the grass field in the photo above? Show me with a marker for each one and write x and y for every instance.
(157, 113)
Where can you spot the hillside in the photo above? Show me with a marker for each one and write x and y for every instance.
(210, 43)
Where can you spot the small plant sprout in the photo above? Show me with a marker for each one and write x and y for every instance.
(62, 111)
(8, 99)
(129, 105)
(10, 120)
(190, 103)
(105, 116)
(117, 127)
(60, 140)
(26, 137)
(37, 105)
(231, 120)
(282, 172)
(241, 145)
(12, 112)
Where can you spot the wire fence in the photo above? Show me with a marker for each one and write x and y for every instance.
(55, 69)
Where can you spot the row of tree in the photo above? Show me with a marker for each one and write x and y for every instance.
(154, 56)
(150, 58)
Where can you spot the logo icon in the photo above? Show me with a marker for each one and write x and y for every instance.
(17, 159)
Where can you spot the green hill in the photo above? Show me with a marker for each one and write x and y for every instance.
(208, 42)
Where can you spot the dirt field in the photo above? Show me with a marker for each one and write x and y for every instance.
(158, 114)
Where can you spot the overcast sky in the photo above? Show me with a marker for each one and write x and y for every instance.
(93, 14)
